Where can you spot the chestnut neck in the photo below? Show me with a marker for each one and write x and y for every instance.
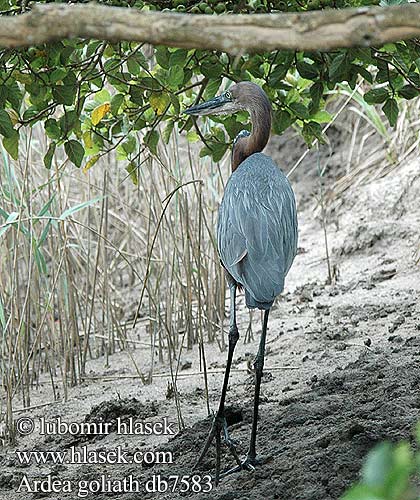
(261, 125)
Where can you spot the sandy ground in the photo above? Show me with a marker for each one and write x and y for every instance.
(341, 370)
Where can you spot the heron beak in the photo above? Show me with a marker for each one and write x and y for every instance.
(216, 106)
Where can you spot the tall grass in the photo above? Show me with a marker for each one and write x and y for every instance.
(375, 149)
(83, 254)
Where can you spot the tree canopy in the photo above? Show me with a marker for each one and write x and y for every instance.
(95, 96)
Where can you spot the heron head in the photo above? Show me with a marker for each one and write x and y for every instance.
(241, 96)
(237, 98)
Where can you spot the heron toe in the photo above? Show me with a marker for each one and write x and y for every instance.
(248, 463)
(219, 424)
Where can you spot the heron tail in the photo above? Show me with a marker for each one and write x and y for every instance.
(253, 303)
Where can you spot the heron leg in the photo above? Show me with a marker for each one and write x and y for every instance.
(219, 422)
(258, 365)
(251, 459)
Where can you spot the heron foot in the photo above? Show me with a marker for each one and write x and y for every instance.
(219, 424)
(248, 463)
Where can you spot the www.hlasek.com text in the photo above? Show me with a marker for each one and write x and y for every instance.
(84, 455)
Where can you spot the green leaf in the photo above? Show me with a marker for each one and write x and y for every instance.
(308, 71)
(52, 129)
(316, 91)
(408, 92)
(57, 74)
(75, 152)
(192, 136)
(365, 73)
(11, 145)
(204, 151)
(175, 103)
(211, 69)
(175, 76)
(69, 122)
(4, 229)
(378, 465)
(136, 94)
(49, 155)
(178, 57)
(133, 66)
(390, 108)
(233, 126)
(44, 233)
(376, 96)
(46, 207)
(338, 67)
(150, 84)
(398, 480)
(212, 88)
(281, 121)
(277, 75)
(166, 134)
(162, 56)
(132, 170)
(6, 126)
(14, 96)
(312, 131)
(30, 113)
(130, 144)
(300, 110)
(321, 117)
(80, 206)
(362, 492)
(151, 139)
(389, 3)
(11, 218)
(40, 259)
(103, 96)
(218, 149)
(3, 95)
(116, 102)
(64, 94)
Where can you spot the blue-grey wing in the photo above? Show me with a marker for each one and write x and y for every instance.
(257, 228)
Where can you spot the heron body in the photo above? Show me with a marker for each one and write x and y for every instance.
(257, 229)
(256, 238)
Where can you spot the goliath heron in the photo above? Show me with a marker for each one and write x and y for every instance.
(256, 238)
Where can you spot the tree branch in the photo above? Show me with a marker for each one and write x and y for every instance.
(318, 30)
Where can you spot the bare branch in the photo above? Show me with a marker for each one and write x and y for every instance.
(319, 30)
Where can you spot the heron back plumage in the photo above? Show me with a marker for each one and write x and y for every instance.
(257, 229)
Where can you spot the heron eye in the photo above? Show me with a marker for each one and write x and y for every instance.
(228, 95)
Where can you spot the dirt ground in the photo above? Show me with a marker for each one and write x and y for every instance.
(342, 364)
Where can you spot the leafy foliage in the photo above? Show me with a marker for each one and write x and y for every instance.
(390, 472)
(94, 96)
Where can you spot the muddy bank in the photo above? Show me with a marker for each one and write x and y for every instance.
(312, 444)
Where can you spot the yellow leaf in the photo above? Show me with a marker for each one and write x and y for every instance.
(192, 136)
(99, 112)
(14, 117)
(90, 163)
(87, 139)
(159, 102)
